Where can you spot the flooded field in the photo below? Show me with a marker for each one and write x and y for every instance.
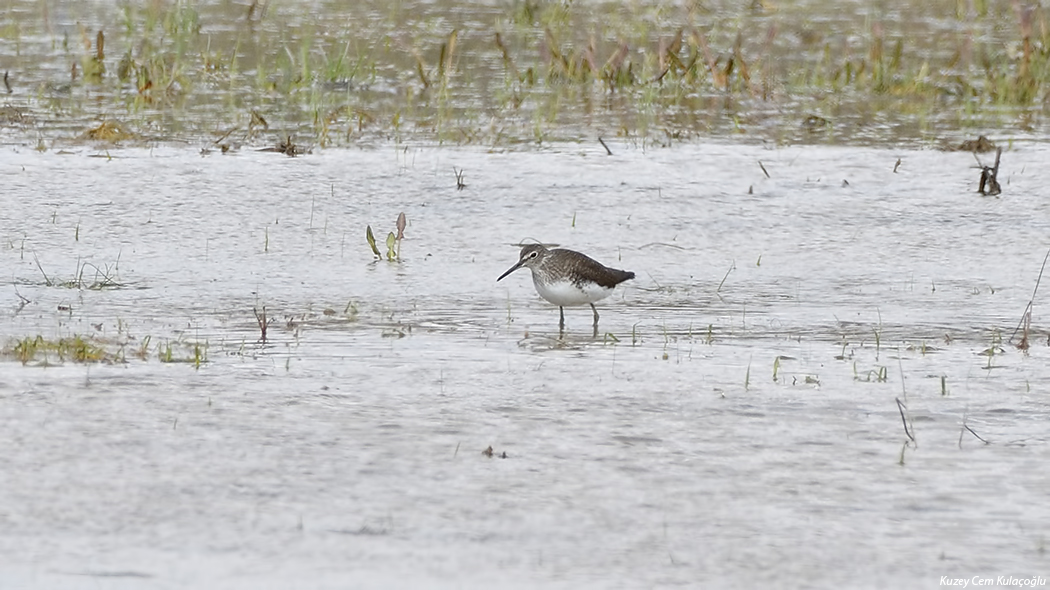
(822, 376)
(511, 72)
(734, 423)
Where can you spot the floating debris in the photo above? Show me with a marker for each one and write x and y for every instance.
(14, 115)
(815, 123)
(490, 453)
(108, 131)
(989, 182)
(980, 145)
(287, 147)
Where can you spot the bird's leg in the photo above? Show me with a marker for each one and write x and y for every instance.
(561, 320)
(595, 316)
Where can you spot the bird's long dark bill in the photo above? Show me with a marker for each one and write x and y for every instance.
(512, 269)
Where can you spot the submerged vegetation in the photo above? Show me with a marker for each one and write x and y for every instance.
(74, 348)
(40, 351)
(256, 73)
(103, 278)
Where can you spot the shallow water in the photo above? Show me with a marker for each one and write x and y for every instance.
(346, 451)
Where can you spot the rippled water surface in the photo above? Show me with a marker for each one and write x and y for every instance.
(734, 423)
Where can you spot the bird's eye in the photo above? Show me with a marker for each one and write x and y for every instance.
(532, 254)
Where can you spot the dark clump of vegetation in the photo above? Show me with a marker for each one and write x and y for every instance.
(525, 71)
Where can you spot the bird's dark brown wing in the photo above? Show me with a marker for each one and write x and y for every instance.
(596, 271)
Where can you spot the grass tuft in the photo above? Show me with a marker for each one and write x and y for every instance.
(41, 351)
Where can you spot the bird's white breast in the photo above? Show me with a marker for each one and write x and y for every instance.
(569, 293)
